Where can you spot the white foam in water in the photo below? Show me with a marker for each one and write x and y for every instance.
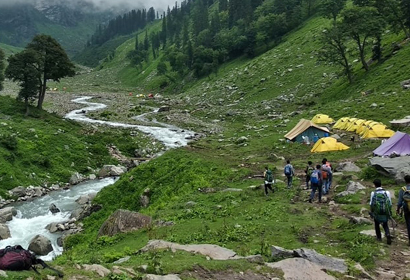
(171, 136)
(34, 216)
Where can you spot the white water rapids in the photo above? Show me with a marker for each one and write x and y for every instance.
(34, 216)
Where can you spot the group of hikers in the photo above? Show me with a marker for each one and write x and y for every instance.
(319, 179)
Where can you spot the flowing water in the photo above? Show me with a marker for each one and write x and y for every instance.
(34, 216)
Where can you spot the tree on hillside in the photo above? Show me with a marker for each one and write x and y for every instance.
(362, 24)
(1, 69)
(334, 49)
(24, 68)
(332, 8)
(54, 63)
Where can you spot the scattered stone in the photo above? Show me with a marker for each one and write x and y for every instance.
(164, 109)
(325, 262)
(3, 274)
(190, 204)
(53, 208)
(7, 213)
(336, 136)
(385, 275)
(40, 245)
(4, 232)
(298, 268)
(279, 252)
(84, 199)
(122, 260)
(347, 167)
(360, 221)
(18, 191)
(111, 170)
(213, 251)
(370, 232)
(160, 277)
(242, 140)
(405, 84)
(76, 178)
(52, 228)
(144, 201)
(99, 269)
(123, 221)
(352, 188)
(231, 190)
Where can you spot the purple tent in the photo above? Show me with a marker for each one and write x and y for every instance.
(398, 144)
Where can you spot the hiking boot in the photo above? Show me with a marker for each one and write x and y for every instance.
(388, 237)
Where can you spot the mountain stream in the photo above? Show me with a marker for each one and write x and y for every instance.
(34, 216)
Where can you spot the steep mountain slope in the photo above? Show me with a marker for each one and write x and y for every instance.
(71, 25)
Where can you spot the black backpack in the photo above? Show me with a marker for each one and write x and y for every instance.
(269, 176)
(16, 258)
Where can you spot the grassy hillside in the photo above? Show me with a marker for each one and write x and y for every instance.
(254, 103)
(44, 149)
(9, 50)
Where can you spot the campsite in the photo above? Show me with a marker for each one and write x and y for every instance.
(155, 157)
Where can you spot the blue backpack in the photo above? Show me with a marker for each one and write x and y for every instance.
(314, 177)
(288, 170)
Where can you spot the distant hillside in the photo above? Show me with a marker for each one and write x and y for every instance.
(8, 50)
(71, 26)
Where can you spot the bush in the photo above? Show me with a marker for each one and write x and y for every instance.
(9, 142)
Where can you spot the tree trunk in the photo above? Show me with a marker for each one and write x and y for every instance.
(42, 94)
(27, 107)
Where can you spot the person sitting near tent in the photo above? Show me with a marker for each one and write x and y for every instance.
(308, 171)
(316, 183)
(380, 207)
(403, 204)
(289, 173)
(268, 180)
(315, 138)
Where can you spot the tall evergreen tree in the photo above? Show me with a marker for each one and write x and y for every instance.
(146, 41)
(223, 5)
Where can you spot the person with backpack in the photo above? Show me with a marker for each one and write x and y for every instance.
(403, 204)
(380, 210)
(325, 176)
(308, 171)
(316, 183)
(330, 172)
(289, 173)
(268, 175)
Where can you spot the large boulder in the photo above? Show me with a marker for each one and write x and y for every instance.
(161, 277)
(99, 269)
(111, 170)
(324, 262)
(396, 167)
(76, 178)
(7, 213)
(279, 252)
(53, 208)
(4, 232)
(352, 188)
(347, 167)
(298, 268)
(40, 245)
(18, 191)
(124, 221)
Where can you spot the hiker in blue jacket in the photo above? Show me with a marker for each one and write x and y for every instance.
(380, 198)
(403, 204)
(316, 183)
(289, 173)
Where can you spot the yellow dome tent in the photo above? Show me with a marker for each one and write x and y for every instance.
(322, 119)
(370, 125)
(347, 123)
(340, 123)
(354, 125)
(378, 131)
(328, 144)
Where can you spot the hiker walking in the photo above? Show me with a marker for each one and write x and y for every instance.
(308, 171)
(289, 173)
(316, 183)
(403, 204)
(268, 180)
(326, 171)
(380, 210)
